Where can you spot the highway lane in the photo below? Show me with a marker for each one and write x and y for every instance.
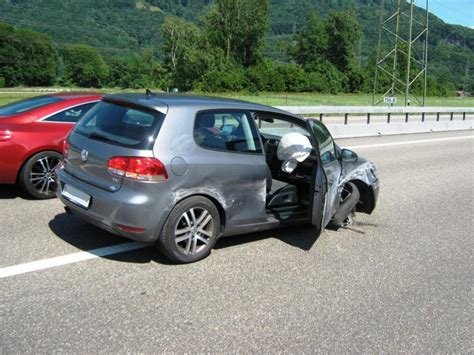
(398, 280)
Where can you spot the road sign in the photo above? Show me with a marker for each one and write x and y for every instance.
(390, 100)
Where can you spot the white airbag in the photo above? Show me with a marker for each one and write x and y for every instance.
(293, 149)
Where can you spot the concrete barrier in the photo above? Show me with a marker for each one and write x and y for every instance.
(346, 121)
(381, 129)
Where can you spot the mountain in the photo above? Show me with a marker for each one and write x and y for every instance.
(125, 26)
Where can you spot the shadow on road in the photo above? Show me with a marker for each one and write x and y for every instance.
(302, 237)
(86, 237)
(10, 192)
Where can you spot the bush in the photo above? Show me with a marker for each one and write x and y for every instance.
(229, 79)
(293, 77)
(263, 77)
(324, 77)
(2, 82)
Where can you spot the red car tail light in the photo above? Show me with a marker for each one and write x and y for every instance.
(5, 135)
(138, 168)
(65, 147)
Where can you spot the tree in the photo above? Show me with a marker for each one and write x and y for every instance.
(187, 54)
(237, 27)
(311, 42)
(137, 71)
(26, 57)
(83, 66)
(343, 33)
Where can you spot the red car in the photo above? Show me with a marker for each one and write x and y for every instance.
(32, 132)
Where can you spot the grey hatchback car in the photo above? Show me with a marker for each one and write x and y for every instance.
(183, 171)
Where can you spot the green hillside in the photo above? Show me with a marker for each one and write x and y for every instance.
(118, 27)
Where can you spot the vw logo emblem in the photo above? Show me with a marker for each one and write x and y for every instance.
(84, 155)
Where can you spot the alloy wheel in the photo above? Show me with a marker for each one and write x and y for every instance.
(194, 230)
(42, 175)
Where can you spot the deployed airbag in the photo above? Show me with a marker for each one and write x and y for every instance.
(293, 149)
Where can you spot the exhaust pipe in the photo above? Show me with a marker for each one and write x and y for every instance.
(68, 210)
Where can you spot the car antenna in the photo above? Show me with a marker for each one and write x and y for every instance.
(149, 93)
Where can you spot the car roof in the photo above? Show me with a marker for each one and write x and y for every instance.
(161, 102)
(74, 95)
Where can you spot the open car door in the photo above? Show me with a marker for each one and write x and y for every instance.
(319, 191)
(330, 167)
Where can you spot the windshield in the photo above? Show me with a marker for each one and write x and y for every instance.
(121, 125)
(27, 105)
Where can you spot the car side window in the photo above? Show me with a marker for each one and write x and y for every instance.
(231, 131)
(325, 142)
(271, 126)
(71, 115)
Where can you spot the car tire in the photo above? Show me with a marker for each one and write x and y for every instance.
(191, 230)
(37, 175)
(349, 199)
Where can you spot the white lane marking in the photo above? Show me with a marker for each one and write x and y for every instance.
(69, 259)
(409, 142)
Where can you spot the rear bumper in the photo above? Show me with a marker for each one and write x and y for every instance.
(109, 210)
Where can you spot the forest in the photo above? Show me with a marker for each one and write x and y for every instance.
(324, 46)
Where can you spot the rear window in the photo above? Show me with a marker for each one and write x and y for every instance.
(27, 105)
(121, 125)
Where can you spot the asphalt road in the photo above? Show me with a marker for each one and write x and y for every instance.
(399, 280)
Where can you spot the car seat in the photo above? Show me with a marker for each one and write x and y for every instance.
(280, 193)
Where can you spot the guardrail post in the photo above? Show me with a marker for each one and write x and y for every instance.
(406, 117)
(451, 117)
(464, 116)
(346, 118)
(368, 118)
(422, 117)
(388, 117)
(437, 117)
(321, 117)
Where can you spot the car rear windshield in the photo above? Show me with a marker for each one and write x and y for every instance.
(27, 105)
(121, 125)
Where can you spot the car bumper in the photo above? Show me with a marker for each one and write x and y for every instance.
(112, 211)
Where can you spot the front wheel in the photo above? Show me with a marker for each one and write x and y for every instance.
(349, 198)
(190, 231)
(37, 175)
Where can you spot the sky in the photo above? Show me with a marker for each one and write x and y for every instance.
(458, 12)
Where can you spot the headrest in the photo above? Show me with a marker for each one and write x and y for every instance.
(207, 120)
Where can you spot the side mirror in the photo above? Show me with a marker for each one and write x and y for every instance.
(349, 156)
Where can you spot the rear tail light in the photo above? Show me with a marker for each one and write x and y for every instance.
(65, 147)
(5, 135)
(138, 168)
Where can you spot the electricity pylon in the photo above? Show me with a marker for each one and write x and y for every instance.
(402, 52)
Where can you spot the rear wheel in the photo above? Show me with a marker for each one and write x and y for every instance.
(190, 231)
(37, 175)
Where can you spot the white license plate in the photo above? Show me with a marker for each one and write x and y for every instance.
(76, 196)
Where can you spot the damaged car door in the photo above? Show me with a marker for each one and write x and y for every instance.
(330, 165)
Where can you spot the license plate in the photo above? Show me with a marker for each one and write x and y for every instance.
(76, 196)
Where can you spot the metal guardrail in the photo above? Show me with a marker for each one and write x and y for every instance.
(368, 111)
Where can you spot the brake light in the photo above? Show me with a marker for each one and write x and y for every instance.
(5, 135)
(118, 166)
(138, 168)
(65, 147)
